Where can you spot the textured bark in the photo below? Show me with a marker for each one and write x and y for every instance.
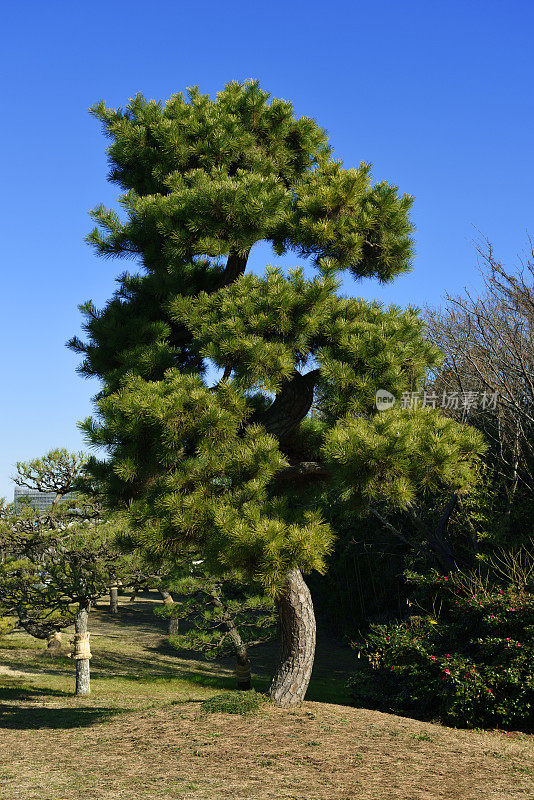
(174, 626)
(297, 631)
(114, 599)
(290, 405)
(83, 675)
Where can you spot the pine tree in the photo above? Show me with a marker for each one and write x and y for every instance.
(56, 562)
(241, 468)
(222, 615)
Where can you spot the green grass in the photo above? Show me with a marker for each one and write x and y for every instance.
(131, 650)
(243, 703)
(422, 737)
(130, 670)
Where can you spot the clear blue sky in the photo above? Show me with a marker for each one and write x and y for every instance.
(437, 95)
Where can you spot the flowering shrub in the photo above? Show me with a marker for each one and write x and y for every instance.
(472, 667)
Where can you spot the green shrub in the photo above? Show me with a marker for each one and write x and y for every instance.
(472, 667)
(234, 703)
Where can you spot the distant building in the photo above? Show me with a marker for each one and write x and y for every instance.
(38, 500)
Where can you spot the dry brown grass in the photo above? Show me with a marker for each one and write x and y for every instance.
(146, 739)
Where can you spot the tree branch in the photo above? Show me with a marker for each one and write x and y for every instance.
(290, 405)
(437, 544)
(390, 527)
(235, 266)
(447, 511)
(304, 470)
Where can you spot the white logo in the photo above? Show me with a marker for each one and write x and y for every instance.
(384, 400)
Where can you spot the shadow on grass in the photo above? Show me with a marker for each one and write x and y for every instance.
(132, 668)
(327, 685)
(333, 690)
(14, 641)
(139, 616)
(319, 691)
(37, 663)
(30, 718)
(22, 692)
(222, 682)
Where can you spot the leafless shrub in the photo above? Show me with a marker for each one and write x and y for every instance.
(516, 567)
(488, 343)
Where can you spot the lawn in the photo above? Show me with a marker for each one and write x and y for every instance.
(144, 733)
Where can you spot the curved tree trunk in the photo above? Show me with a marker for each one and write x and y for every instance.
(235, 267)
(242, 662)
(114, 599)
(81, 651)
(297, 631)
(290, 405)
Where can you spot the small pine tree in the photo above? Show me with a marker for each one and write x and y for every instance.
(239, 468)
(58, 472)
(57, 562)
(222, 616)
